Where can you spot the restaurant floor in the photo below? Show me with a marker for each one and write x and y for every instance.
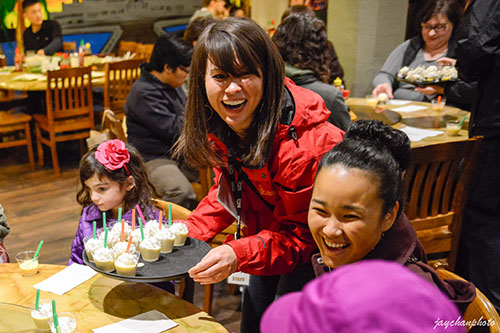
(41, 206)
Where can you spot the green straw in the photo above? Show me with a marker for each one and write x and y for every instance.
(462, 122)
(37, 299)
(169, 215)
(93, 229)
(119, 214)
(104, 220)
(37, 250)
(54, 315)
(142, 229)
(105, 238)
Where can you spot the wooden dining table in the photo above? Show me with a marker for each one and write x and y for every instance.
(97, 302)
(425, 118)
(25, 81)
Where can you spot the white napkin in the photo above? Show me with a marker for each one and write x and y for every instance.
(148, 322)
(417, 134)
(67, 279)
(399, 102)
(410, 108)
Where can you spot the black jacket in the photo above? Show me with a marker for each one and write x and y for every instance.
(48, 38)
(155, 115)
(478, 58)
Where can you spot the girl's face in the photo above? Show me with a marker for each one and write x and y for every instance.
(107, 194)
(233, 98)
(345, 215)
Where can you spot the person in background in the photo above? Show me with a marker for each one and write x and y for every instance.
(439, 22)
(213, 8)
(42, 36)
(356, 207)
(112, 175)
(196, 27)
(237, 12)
(478, 58)
(368, 296)
(302, 41)
(155, 115)
(4, 231)
(336, 70)
(264, 136)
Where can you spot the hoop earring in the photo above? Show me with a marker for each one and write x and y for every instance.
(211, 111)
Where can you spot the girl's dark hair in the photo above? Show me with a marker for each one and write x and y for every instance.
(378, 149)
(452, 9)
(303, 43)
(235, 46)
(142, 192)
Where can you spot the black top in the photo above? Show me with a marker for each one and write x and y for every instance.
(155, 115)
(48, 38)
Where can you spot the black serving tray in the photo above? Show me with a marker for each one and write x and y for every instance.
(422, 83)
(170, 266)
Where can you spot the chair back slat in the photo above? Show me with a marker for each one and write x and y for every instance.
(69, 94)
(118, 80)
(435, 187)
(125, 46)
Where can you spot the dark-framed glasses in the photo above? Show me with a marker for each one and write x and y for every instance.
(440, 27)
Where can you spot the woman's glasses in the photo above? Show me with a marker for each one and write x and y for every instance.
(437, 28)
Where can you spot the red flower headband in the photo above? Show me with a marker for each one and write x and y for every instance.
(113, 155)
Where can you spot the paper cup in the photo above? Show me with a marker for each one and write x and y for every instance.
(26, 264)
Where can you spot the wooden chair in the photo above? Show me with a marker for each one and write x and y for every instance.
(70, 113)
(114, 125)
(11, 122)
(480, 309)
(118, 80)
(435, 190)
(126, 46)
(69, 46)
(144, 51)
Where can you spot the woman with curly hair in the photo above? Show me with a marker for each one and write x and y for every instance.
(302, 41)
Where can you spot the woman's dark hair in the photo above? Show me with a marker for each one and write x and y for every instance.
(142, 192)
(172, 51)
(235, 46)
(303, 43)
(196, 27)
(27, 3)
(297, 9)
(378, 149)
(452, 9)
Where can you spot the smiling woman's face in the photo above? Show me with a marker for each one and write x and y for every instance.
(345, 215)
(234, 98)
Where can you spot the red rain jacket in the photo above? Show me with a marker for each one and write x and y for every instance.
(278, 240)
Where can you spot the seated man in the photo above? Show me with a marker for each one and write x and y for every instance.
(43, 37)
(155, 116)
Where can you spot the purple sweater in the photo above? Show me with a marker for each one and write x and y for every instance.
(90, 214)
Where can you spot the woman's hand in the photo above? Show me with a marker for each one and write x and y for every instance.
(431, 90)
(383, 88)
(447, 61)
(217, 265)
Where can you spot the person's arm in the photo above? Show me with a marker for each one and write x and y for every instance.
(480, 37)
(77, 247)
(340, 116)
(385, 78)
(56, 44)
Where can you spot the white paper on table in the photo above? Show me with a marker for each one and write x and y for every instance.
(67, 279)
(149, 322)
(410, 108)
(417, 134)
(399, 102)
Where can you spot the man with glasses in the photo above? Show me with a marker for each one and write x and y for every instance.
(155, 116)
(215, 8)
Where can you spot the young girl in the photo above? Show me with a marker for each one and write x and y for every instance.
(112, 175)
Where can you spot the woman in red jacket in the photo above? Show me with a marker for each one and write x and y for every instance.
(264, 137)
